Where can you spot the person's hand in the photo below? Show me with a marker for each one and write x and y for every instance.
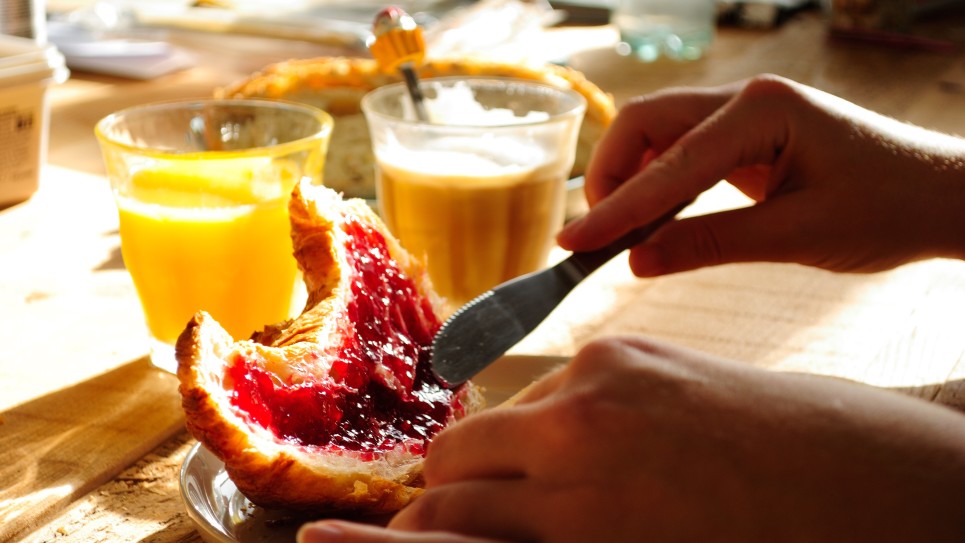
(837, 186)
(639, 441)
(340, 531)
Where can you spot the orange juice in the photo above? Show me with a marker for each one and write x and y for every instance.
(202, 189)
(211, 235)
(477, 222)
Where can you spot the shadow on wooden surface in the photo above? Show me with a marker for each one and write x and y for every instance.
(59, 447)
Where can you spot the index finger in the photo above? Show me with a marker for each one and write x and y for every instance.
(695, 162)
(644, 128)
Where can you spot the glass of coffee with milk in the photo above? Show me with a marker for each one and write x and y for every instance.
(478, 187)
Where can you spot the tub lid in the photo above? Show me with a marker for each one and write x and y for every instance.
(24, 61)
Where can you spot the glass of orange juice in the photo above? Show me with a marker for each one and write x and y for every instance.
(202, 191)
(479, 190)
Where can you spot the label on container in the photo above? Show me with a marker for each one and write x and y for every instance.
(20, 130)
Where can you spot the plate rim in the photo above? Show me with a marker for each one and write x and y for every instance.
(201, 522)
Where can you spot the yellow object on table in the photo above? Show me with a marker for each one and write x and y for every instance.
(397, 40)
(202, 190)
(186, 235)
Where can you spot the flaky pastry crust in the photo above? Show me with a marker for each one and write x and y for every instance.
(337, 85)
(277, 473)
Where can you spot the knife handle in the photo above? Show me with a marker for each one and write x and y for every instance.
(587, 262)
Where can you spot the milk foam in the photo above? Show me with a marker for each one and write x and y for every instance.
(457, 106)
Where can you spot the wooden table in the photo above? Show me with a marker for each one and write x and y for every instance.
(91, 435)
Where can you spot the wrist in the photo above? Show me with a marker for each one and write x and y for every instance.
(948, 219)
(940, 197)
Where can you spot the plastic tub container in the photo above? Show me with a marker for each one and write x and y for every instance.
(26, 71)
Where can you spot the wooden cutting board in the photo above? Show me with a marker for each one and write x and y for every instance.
(59, 447)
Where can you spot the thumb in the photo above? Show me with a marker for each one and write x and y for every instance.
(768, 232)
(335, 531)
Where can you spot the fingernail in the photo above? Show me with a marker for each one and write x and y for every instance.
(647, 261)
(319, 532)
(569, 230)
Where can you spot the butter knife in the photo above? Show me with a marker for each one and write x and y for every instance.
(489, 325)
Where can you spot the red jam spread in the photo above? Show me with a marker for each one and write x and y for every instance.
(388, 324)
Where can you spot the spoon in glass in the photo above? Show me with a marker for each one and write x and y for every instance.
(398, 44)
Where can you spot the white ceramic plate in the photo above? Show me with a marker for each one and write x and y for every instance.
(223, 515)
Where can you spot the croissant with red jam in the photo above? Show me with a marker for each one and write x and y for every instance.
(334, 409)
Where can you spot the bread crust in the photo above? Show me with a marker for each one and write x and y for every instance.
(337, 85)
(270, 471)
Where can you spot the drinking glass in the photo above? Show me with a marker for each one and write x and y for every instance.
(202, 191)
(676, 29)
(479, 189)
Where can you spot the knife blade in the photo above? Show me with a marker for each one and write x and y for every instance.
(489, 325)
